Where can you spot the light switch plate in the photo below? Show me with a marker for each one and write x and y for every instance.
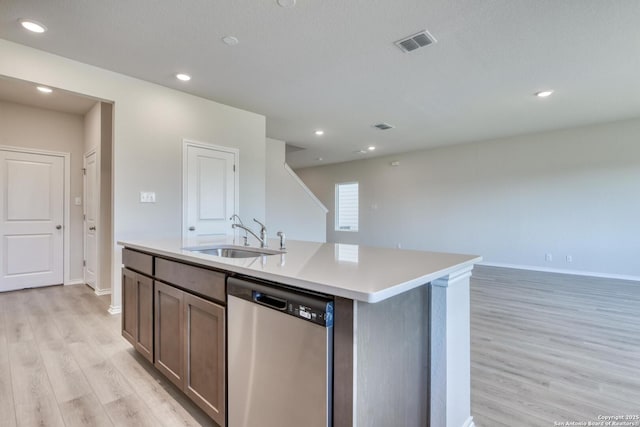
(78, 201)
(147, 197)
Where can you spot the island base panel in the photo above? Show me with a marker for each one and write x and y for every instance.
(392, 360)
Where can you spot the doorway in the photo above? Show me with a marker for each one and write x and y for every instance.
(210, 189)
(34, 187)
(71, 124)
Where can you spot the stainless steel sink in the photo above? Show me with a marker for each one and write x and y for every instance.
(230, 251)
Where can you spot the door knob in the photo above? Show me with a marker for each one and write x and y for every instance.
(192, 228)
(58, 227)
(92, 228)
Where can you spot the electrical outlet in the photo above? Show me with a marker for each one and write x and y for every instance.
(548, 257)
(569, 259)
(147, 197)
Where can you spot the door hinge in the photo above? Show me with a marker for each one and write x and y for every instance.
(84, 263)
(234, 168)
(84, 171)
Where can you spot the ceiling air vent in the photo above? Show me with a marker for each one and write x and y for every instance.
(383, 126)
(416, 41)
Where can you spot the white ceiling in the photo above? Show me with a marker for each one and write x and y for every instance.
(22, 92)
(332, 64)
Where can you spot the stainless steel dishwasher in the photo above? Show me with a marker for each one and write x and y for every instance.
(280, 356)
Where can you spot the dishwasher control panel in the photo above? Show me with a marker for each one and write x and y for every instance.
(307, 306)
(322, 316)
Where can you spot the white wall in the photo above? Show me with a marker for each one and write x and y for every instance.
(150, 122)
(92, 126)
(570, 192)
(37, 128)
(290, 207)
(105, 251)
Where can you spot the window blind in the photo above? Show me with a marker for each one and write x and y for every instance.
(347, 206)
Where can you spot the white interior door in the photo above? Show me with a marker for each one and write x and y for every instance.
(32, 219)
(209, 189)
(90, 219)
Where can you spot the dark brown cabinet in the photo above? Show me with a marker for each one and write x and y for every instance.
(204, 355)
(129, 305)
(137, 311)
(190, 347)
(169, 332)
(173, 313)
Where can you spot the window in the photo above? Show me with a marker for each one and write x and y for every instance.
(347, 206)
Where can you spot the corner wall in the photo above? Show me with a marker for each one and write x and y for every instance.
(289, 206)
(150, 122)
(570, 192)
(98, 138)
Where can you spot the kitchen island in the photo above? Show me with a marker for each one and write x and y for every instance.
(401, 327)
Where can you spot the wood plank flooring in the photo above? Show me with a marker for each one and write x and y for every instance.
(545, 348)
(551, 348)
(63, 362)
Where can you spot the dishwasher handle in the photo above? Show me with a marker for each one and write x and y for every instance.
(269, 301)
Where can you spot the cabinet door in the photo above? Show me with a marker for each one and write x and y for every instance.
(169, 332)
(204, 355)
(144, 337)
(129, 306)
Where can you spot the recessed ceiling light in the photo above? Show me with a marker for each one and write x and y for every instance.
(32, 25)
(371, 148)
(230, 40)
(44, 89)
(319, 132)
(183, 77)
(319, 159)
(286, 3)
(543, 93)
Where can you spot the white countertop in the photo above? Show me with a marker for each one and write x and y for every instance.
(361, 273)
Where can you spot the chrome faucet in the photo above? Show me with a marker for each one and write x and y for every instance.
(241, 225)
(263, 232)
(236, 216)
(247, 229)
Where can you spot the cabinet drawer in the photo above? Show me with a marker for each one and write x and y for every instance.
(201, 281)
(137, 261)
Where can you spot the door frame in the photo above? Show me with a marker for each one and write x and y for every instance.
(186, 143)
(96, 290)
(66, 227)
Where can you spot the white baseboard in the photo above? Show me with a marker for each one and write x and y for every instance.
(75, 282)
(469, 423)
(562, 271)
(102, 292)
(115, 309)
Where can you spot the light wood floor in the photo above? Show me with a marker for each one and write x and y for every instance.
(550, 347)
(64, 363)
(545, 348)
